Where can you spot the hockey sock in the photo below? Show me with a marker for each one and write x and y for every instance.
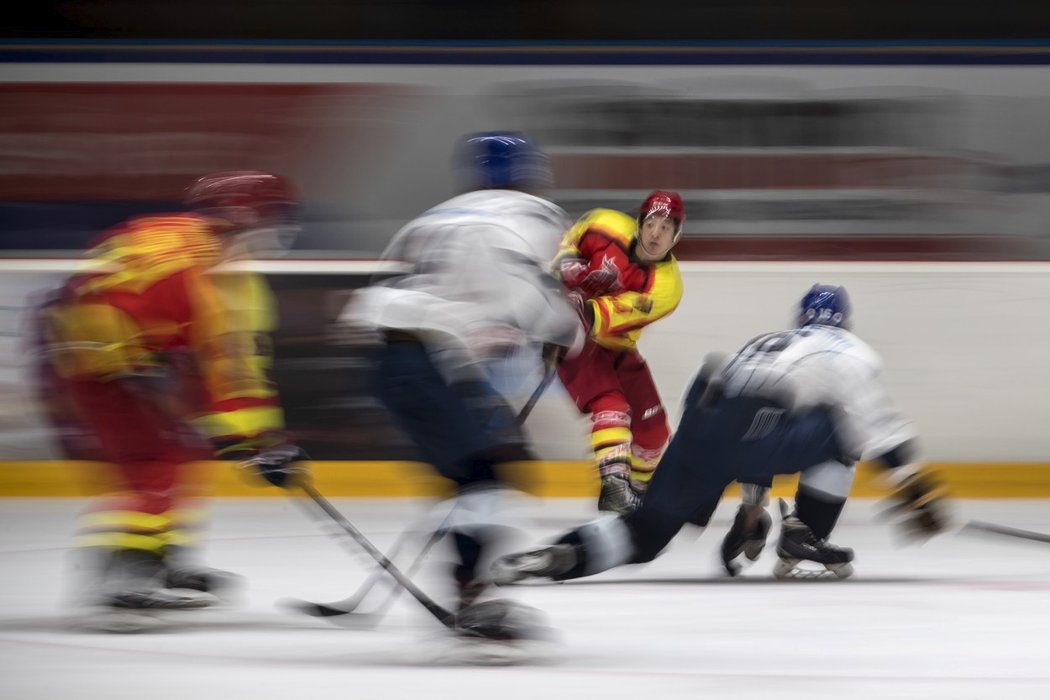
(818, 514)
(469, 550)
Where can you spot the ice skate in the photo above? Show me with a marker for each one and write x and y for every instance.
(798, 545)
(137, 610)
(221, 585)
(130, 595)
(617, 495)
(497, 632)
(546, 562)
(500, 620)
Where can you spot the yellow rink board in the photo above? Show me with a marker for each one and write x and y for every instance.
(549, 479)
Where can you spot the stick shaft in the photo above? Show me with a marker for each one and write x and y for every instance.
(443, 615)
(548, 377)
(1005, 531)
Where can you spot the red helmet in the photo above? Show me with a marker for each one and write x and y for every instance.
(245, 198)
(662, 203)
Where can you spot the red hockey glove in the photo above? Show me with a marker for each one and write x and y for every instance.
(576, 275)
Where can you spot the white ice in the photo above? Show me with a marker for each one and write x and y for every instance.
(962, 616)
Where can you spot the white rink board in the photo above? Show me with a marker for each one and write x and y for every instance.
(964, 346)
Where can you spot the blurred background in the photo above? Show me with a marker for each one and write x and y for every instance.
(808, 139)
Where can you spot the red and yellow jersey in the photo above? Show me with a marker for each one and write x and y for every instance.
(649, 291)
(149, 291)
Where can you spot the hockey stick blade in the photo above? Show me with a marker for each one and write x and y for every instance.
(335, 615)
(308, 607)
(439, 612)
(347, 607)
(979, 526)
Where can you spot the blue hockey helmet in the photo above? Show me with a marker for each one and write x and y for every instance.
(824, 305)
(504, 160)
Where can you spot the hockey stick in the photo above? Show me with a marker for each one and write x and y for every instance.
(347, 607)
(549, 373)
(442, 614)
(983, 527)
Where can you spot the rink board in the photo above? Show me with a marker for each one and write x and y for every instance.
(549, 479)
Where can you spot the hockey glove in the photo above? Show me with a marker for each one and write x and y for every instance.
(919, 506)
(280, 465)
(746, 537)
(552, 355)
(575, 274)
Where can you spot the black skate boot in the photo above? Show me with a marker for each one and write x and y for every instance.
(501, 620)
(218, 583)
(468, 593)
(798, 544)
(747, 536)
(546, 562)
(617, 496)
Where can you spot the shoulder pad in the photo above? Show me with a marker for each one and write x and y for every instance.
(613, 223)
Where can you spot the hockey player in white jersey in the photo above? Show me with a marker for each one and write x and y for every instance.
(809, 400)
(475, 286)
(820, 363)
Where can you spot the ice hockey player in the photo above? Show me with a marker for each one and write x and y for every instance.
(476, 286)
(165, 355)
(808, 399)
(621, 274)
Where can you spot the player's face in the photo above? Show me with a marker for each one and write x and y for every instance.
(655, 237)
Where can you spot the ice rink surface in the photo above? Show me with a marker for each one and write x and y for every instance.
(963, 616)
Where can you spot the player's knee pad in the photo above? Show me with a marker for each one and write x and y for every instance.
(828, 481)
(477, 507)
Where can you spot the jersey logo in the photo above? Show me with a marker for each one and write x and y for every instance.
(651, 411)
(763, 423)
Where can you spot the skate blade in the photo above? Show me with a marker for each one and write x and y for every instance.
(112, 621)
(476, 651)
(514, 568)
(798, 570)
(195, 600)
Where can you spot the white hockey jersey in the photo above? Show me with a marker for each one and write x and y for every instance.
(823, 365)
(474, 264)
